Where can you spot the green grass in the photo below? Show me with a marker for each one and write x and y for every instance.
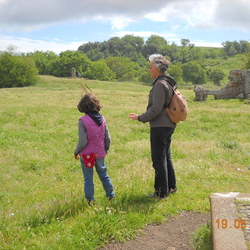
(202, 239)
(41, 197)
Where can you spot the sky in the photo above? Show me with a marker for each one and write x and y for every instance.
(60, 25)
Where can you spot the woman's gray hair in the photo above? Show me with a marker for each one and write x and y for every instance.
(160, 62)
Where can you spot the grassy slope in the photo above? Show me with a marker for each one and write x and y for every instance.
(41, 184)
(226, 65)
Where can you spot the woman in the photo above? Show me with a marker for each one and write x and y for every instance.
(161, 127)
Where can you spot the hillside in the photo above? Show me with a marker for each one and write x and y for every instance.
(226, 65)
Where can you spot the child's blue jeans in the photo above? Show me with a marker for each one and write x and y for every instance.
(88, 174)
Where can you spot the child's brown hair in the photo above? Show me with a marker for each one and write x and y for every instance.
(89, 103)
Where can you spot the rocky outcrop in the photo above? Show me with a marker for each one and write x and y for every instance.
(238, 87)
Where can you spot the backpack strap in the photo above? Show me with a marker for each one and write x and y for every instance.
(168, 95)
(168, 78)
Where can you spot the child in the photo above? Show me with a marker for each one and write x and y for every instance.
(93, 137)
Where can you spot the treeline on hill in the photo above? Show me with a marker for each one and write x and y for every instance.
(122, 59)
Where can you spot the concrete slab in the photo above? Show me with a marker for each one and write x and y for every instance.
(226, 227)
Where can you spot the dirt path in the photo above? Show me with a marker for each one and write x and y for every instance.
(174, 234)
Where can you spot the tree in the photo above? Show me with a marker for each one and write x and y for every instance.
(237, 46)
(216, 76)
(146, 77)
(245, 46)
(232, 52)
(135, 41)
(234, 48)
(246, 60)
(227, 46)
(95, 54)
(175, 71)
(157, 40)
(115, 44)
(185, 42)
(193, 72)
(131, 53)
(17, 71)
(12, 49)
(124, 68)
(44, 61)
(70, 59)
(173, 52)
(183, 54)
(99, 70)
(154, 45)
(89, 46)
(195, 54)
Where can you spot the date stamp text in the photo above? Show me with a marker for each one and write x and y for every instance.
(237, 223)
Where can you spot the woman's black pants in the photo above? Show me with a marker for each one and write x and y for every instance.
(160, 140)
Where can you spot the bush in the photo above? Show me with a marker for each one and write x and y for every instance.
(16, 71)
(146, 77)
(124, 68)
(99, 70)
(62, 65)
(247, 61)
(216, 76)
(193, 72)
(175, 71)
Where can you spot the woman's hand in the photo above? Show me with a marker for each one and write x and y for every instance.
(77, 157)
(133, 116)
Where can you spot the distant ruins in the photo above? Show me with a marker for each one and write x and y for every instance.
(239, 87)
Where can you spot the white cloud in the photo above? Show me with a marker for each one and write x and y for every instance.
(30, 45)
(203, 15)
(29, 15)
(178, 15)
(193, 13)
(117, 22)
(233, 14)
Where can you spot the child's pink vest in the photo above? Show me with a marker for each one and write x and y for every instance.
(95, 135)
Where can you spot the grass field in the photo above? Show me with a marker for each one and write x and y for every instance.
(41, 196)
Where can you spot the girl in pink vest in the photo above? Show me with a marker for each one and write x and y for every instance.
(93, 137)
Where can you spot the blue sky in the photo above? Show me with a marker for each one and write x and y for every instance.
(60, 25)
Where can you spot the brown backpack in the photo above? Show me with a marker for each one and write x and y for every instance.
(178, 109)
